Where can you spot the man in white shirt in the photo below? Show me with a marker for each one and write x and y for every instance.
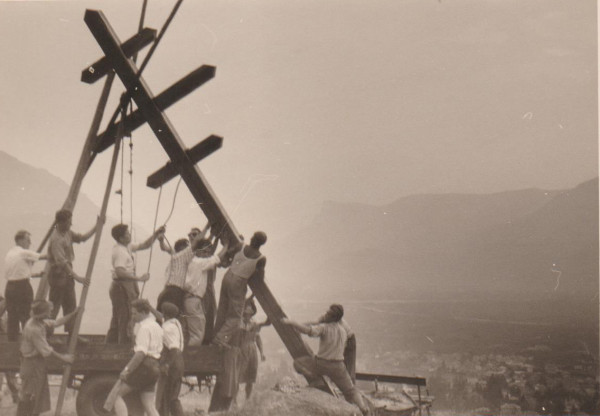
(195, 287)
(142, 371)
(18, 292)
(171, 364)
(124, 288)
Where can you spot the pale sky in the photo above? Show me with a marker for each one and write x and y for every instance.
(345, 100)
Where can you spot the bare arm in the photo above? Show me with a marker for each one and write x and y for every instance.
(164, 246)
(125, 275)
(66, 358)
(86, 236)
(146, 244)
(303, 329)
(67, 318)
(134, 363)
(259, 344)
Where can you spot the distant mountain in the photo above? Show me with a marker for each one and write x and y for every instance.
(504, 244)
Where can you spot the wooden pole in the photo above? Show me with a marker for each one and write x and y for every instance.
(88, 275)
(82, 168)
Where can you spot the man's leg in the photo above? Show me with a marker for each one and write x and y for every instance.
(11, 382)
(69, 304)
(235, 308)
(112, 336)
(13, 299)
(148, 399)
(223, 303)
(350, 357)
(336, 371)
(120, 406)
(195, 320)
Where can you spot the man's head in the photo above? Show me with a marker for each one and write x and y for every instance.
(169, 310)
(121, 234)
(334, 313)
(140, 308)
(23, 239)
(194, 232)
(258, 239)
(41, 309)
(63, 219)
(181, 244)
(202, 247)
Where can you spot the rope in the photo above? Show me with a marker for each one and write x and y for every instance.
(174, 199)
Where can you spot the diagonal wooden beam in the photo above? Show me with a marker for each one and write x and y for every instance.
(131, 47)
(163, 101)
(162, 127)
(203, 149)
(195, 181)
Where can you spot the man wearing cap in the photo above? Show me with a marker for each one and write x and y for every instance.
(171, 364)
(61, 277)
(247, 263)
(142, 371)
(35, 392)
(330, 357)
(195, 287)
(19, 293)
(124, 288)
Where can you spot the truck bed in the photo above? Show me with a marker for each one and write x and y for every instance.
(96, 356)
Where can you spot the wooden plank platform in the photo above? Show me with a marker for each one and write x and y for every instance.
(96, 356)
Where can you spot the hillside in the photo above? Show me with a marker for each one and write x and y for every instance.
(502, 244)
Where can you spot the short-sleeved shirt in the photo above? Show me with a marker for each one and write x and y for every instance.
(197, 274)
(60, 247)
(178, 266)
(122, 256)
(172, 334)
(332, 341)
(18, 263)
(347, 327)
(33, 338)
(148, 337)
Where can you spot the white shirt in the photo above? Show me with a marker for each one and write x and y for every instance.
(122, 256)
(148, 337)
(197, 274)
(172, 334)
(18, 263)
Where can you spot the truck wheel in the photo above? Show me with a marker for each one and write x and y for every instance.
(93, 393)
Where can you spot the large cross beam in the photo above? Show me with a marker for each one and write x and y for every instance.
(131, 46)
(195, 181)
(163, 101)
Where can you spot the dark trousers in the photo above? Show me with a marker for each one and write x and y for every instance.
(336, 371)
(63, 296)
(209, 305)
(231, 307)
(169, 383)
(120, 328)
(350, 357)
(19, 295)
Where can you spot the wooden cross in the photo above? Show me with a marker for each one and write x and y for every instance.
(191, 174)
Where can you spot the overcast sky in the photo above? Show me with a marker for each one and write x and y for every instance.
(353, 101)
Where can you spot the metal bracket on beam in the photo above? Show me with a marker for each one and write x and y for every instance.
(203, 149)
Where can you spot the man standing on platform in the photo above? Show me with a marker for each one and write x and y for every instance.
(61, 277)
(248, 262)
(195, 287)
(181, 255)
(124, 288)
(18, 292)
